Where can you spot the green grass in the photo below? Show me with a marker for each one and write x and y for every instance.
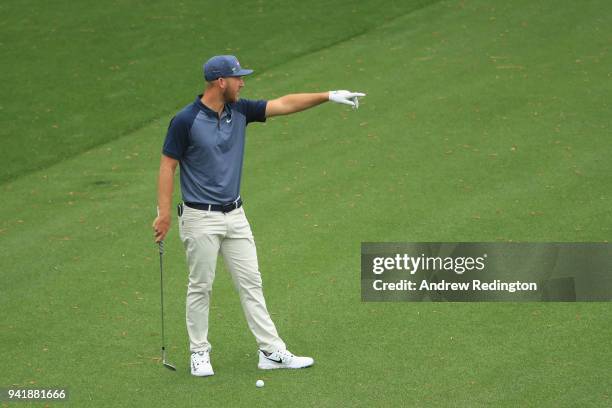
(88, 73)
(484, 121)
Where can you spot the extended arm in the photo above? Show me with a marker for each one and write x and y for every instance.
(161, 225)
(295, 103)
(298, 102)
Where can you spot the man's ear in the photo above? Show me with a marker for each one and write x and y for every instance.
(222, 83)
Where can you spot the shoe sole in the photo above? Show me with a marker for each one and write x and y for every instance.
(202, 375)
(272, 366)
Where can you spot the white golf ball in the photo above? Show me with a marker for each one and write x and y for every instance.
(259, 383)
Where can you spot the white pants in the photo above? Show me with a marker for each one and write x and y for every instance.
(204, 234)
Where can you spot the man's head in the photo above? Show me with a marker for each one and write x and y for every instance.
(225, 73)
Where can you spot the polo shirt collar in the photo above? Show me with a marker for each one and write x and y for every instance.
(210, 112)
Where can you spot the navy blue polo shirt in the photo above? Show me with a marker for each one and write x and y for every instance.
(210, 148)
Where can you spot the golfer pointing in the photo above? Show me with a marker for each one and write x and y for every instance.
(206, 139)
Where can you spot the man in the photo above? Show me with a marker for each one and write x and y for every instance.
(207, 140)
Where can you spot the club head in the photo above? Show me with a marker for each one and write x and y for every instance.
(164, 362)
(169, 366)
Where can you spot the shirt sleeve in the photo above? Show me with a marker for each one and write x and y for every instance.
(177, 138)
(254, 110)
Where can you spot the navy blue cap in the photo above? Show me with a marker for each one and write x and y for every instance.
(223, 66)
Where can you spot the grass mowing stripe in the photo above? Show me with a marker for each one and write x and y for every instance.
(108, 69)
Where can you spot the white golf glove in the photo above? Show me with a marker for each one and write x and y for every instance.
(346, 97)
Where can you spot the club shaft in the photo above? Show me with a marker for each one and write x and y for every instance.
(161, 289)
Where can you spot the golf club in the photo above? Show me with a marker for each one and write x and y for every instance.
(161, 284)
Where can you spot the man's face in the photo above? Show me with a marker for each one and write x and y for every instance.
(231, 93)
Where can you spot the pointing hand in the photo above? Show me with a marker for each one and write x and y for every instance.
(346, 97)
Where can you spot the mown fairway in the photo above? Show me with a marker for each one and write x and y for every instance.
(484, 121)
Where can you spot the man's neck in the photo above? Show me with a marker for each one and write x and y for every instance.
(214, 102)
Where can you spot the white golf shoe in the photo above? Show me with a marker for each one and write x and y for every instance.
(200, 364)
(282, 359)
